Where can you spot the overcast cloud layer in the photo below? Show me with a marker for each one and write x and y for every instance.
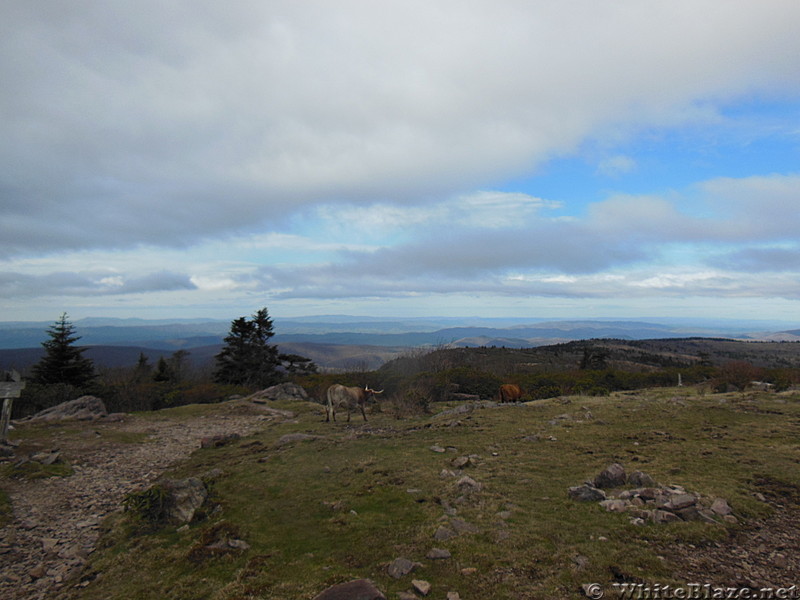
(206, 158)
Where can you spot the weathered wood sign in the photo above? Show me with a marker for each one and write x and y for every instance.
(11, 387)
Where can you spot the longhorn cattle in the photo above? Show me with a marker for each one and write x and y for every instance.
(348, 397)
(509, 392)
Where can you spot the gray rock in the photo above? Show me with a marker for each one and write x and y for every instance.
(282, 391)
(720, 506)
(679, 502)
(468, 484)
(461, 526)
(400, 567)
(443, 534)
(421, 586)
(185, 497)
(664, 516)
(461, 462)
(358, 589)
(85, 408)
(586, 493)
(615, 505)
(641, 480)
(438, 554)
(611, 477)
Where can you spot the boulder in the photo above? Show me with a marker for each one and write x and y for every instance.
(641, 480)
(611, 477)
(282, 391)
(358, 589)
(400, 567)
(720, 506)
(185, 497)
(679, 502)
(85, 408)
(438, 554)
(586, 493)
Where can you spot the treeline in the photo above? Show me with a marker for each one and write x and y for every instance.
(249, 362)
(246, 363)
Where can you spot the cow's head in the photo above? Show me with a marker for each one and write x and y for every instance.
(368, 393)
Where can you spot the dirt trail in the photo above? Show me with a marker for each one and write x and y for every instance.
(56, 520)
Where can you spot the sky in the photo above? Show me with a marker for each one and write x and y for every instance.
(571, 159)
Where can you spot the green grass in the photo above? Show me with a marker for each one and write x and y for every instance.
(35, 470)
(324, 511)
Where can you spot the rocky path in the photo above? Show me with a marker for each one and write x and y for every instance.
(57, 520)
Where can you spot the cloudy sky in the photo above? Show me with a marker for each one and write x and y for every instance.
(624, 158)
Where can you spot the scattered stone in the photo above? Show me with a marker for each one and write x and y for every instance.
(679, 502)
(468, 484)
(358, 589)
(586, 493)
(38, 571)
(461, 462)
(421, 586)
(469, 571)
(444, 533)
(438, 554)
(461, 526)
(46, 458)
(664, 516)
(641, 480)
(400, 567)
(453, 596)
(612, 476)
(186, 496)
(730, 519)
(580, 562)
(438, 449)
(406, 596)
(615, 505)
(720, 506)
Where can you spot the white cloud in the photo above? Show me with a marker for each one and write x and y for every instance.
(125, 124)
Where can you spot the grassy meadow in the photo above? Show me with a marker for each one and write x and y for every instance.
(343, 505)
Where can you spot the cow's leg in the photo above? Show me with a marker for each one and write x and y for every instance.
(348, 415)
(363, 414)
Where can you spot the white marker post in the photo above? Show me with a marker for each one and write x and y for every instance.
(9, 389)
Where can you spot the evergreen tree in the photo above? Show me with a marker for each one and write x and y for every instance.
(247, 357)
(63, 362)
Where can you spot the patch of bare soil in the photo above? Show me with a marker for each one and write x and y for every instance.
(57, 520)
(763, 553)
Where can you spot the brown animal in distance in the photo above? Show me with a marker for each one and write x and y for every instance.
(510, 392)
(348, 397)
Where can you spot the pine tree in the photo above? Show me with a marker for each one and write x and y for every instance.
(247, 357)
(63, 362)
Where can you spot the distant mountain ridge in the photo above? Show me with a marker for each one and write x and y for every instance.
(336, 339)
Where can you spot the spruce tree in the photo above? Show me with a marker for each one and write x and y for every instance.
(247, 357)
(63, 362)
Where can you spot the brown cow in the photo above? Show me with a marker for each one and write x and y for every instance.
(509, 392)
(348, 397)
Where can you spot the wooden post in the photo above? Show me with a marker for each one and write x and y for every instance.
(10, 388)
(4, 419)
